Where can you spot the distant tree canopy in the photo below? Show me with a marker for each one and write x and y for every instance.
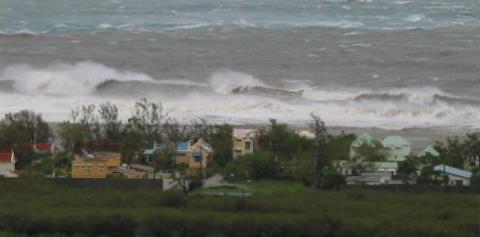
(456, 151)
(338, 147)
(283, 153)
(99, 127)
(18, 131)
(282, 142)
(371, 152)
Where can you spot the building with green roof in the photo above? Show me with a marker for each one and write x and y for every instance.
(397, 148)
(365, 138)
(429, 151)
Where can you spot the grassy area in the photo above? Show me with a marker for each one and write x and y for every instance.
(32, 208)
(257, 187)
(272, 186)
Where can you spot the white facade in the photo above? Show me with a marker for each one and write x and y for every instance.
(398, 148)
(7, 167)
(455, 180)
(455, 176)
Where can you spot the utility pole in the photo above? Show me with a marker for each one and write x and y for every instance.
(477, 186)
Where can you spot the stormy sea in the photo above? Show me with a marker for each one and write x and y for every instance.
(391, 64)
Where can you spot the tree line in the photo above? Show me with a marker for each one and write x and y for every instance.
(282, 153)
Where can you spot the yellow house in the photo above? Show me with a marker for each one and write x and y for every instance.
(244, 142)
(195, 155)
(95, 166)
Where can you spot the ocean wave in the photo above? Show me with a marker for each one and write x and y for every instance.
(19, 32)
(229, 96)
(227, 81)
(415, 18)
(65, 79)
(151, 16)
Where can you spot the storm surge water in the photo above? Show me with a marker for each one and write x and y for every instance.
(229, 96)
(356, 63)
(52, 16)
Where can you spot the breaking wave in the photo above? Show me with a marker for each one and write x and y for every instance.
(229, 96)
(226, 81)
(65, 79)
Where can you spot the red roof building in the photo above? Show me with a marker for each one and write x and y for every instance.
(7, 157)
(43, 147)
(7, 164)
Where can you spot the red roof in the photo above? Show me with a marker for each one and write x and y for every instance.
(43, 146)
(5, 157)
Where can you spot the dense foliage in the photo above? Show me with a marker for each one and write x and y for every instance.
(30, 208)
(460, 152)
(18, 131)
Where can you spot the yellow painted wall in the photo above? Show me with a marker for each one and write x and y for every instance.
(89, 169)
(96, 168)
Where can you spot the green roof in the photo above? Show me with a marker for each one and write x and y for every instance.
(395, 141)
(363, 139)
(429, 150)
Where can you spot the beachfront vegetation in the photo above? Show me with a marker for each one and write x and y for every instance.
(455, 151)
(281, 153)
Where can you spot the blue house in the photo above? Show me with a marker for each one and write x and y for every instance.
(195, 155)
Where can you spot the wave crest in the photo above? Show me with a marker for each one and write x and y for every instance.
(65, 79)
(227, 81)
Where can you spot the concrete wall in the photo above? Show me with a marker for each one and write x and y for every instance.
(398, 153)
(6, 168)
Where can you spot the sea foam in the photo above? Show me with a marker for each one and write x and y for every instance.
(55, 89)
(65, 79)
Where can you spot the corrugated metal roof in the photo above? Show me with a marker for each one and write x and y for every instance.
(453, 171)
(181, 147)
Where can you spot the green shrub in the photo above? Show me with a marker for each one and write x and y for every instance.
(173, 199)
(332, 180)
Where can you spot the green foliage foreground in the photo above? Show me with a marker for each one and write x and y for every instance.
(41, 209)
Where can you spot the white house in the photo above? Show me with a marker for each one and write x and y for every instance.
(455, 176)
(7, 164)
(397, 148)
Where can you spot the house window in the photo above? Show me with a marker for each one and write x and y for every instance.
(472, 161)
(198, 159)
(248, 145)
